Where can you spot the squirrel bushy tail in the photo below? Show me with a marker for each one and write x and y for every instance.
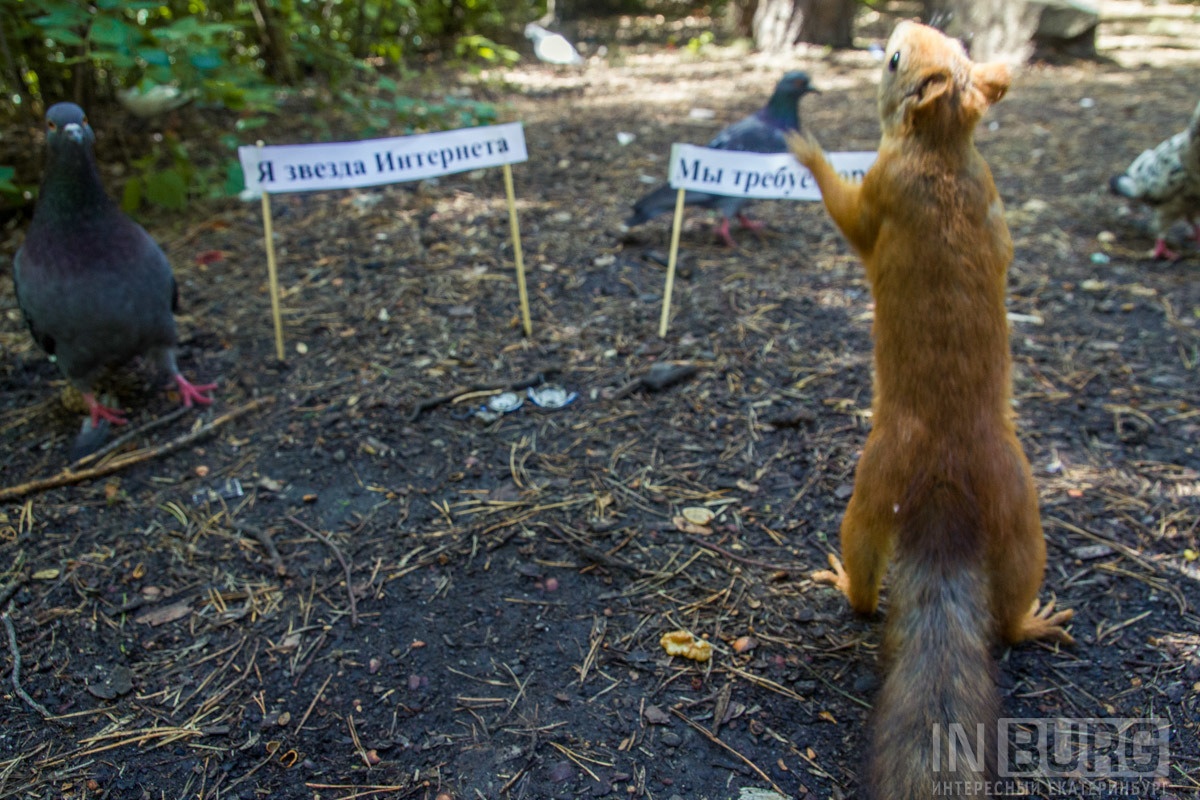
(940, 683)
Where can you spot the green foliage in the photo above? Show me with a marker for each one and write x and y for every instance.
(162, 186)
(698, 43)
(485, 49)
(387, 108)
(10, 192)
(244, 56)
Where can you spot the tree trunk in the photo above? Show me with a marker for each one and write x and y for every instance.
(14, 75)
(779, 24)
(359, 40)
(278, 56)
(776, 24)
(829, 22)
(991, 31)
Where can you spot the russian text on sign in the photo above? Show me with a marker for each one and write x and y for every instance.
(756, 175)
(372, 162)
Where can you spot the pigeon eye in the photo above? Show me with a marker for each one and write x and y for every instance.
(53, 127)
(85, 119)
(895, 62)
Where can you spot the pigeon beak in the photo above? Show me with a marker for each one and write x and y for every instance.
(74, 132)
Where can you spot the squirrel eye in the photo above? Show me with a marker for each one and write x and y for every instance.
(895, 62)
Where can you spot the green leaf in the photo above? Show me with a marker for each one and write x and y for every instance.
(154, 56)
(166, 189)
(112, 32)
(131, 196)
(115, 58)
(250, 123)
(63, 17)
(6, 183)
(63, 36)
(127, 5)
(235, 179)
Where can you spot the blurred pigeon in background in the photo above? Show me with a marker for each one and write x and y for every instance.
(761, 132)
(550, 47)
(1167, 179)
(148, 100)
(95, 289)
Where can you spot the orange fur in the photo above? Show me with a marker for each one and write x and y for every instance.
(943, 488)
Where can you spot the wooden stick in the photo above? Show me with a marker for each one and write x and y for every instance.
(516, 242)
(264, 538)
(708, 735)
(125, 438)
(676, 225)
(341, 560)
(16, 667)
(19, 578)
(68, 477)
(272, 275)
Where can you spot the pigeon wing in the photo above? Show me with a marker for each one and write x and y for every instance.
(1158, 175)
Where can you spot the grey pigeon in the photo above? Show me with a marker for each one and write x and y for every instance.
(1167, 179)
(761, 132)
(95, 289)
(550, 47)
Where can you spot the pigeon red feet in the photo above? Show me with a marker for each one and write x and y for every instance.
(100, 411)
(750, 224)
(723, 232)
(1162, 251)
(190, 393)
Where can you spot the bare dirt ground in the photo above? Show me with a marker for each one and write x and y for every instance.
(408, 601)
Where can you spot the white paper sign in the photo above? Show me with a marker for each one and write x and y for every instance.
(345, 165)
(759, 175)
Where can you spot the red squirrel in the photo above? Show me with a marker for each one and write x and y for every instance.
(943, 488)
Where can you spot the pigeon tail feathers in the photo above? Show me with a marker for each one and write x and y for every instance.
(1124, 186)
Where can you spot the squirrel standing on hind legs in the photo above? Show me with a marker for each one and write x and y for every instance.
(942, 487)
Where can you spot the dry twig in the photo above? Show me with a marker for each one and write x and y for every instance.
(264, 538)
(68, 476)
(434, 402)
(19, 578)
(341, 560)
(129, 436)
(16, 668)
(708, 734)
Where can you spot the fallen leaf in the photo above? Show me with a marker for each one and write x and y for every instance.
(165, 614)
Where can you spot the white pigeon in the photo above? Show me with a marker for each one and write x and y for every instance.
(1167, 179)
(148, 100)
(550, 47)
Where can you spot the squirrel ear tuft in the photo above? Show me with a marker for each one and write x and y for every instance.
(991, 81)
